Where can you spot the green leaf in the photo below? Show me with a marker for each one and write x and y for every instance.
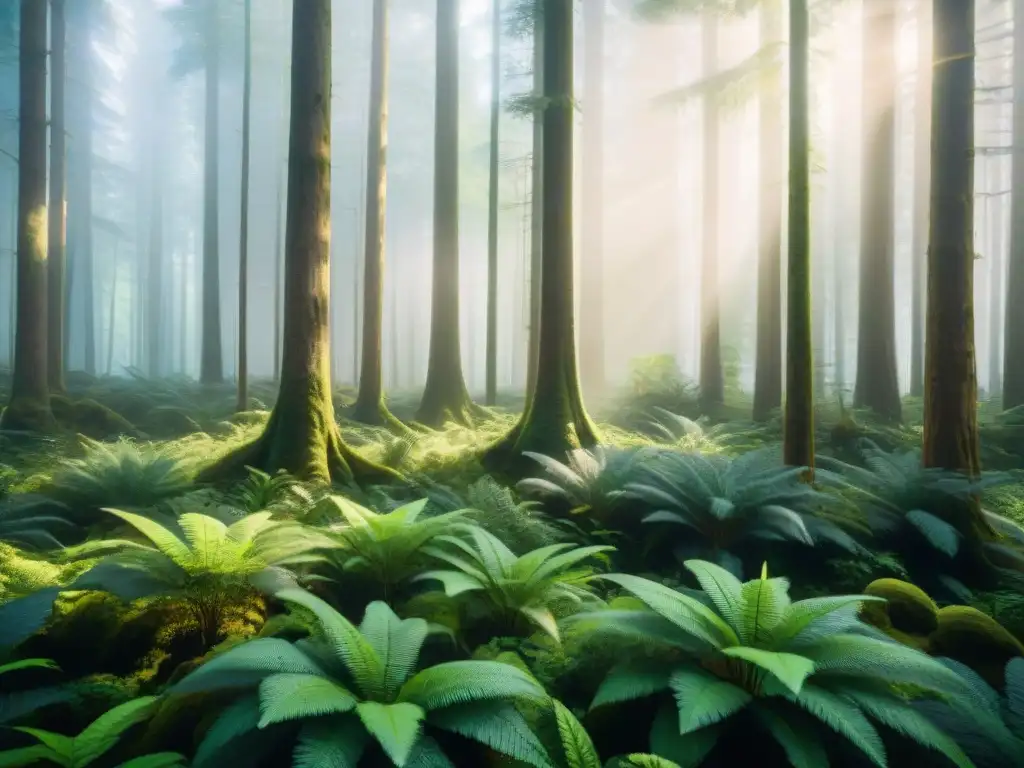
(801, 744)
(427, 754)
(577, 746)
(688, 750)
(242, 717)
(454, 582)
(296, 697)
(637, 760)
(330, 742)
(724, 589)
(627, 682)
(396, 727)
(844, 718)
(791, 670)
(460, 682)
(703, 699)
(14, 666)
(543, 618)
(63, 747)
(26, 756)
(497, 724)
(103, 732)
(803, 612)
(396, 642)
(157, 760)
(247, 664)
(347, 642)
(162, 538)
(937, 532)
(690, 615)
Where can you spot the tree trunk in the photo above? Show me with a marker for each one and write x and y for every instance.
(301, 435)
(29, 407)
(592, 336)
(211, 363)
(278, 259)
(445, 397)
(536, 203)
(842, 123)
(369, 407)
(155, 276)
(491, 383)
(555, 420)
(877, 385)
(112, 308)
(242, 403)
(712, 385)
(922, 168)
(768, 363)
(58, 194)
(1013, 330)
(995, 266)
(951, 385)
(798, 440)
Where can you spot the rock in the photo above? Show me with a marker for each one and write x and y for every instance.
(977, 640)
(168, 422)
(90, 418)
(907, 608)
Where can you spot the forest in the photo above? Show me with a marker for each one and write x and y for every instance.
(511, 383)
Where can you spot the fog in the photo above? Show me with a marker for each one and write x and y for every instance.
(143, 63)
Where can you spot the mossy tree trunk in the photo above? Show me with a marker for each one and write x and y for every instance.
(768, 362)
(951, 384)
(494, 155)
(592, 335)
(369, 407)
(922, 169)
(29, 406)
(555, 421)
(211, 363)
(798, 438)
(242, 402)
(58, 195)
(301, 435)
(877, 385)
(712, 384)
(1013, 332)
(445, 398)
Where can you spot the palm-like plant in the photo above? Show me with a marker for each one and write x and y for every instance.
(14, 704)
(24, 522)
(492, 581)
(205, 563)
(122, 474)
(92, 743)
(729, 501)
(745, 646)
(590, 481)
(906, 504)
(576, 749)
(279, 492)
(388, 548)
(352, 685)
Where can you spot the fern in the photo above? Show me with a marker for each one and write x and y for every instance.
(350, 685)
(746, 646)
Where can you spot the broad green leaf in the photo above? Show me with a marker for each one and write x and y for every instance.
(25, 756)
(801, 744)
(162, 538)
(791, 670)
(240, 718)
(396, 727)
(497, 724)
(703, 699)
(460, 682)
(297, 697)
(57, 743)
(629, 682)
(577, 746)
(330, 743)
(687, 750)
(454, 582)
(247, 664)
(157, 760)
(103, 732)
(543, 618)
(724, 589)
(397, 643)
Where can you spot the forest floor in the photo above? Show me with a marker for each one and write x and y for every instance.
(124, 583)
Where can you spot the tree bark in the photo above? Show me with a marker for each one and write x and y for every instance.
(951, 385)
(798, 439)
(712, 384)
(1013, 330)
(445, 398)
(301, 435)
(555, 420)
(768, 360)
(242, 403)
(922, 169)
(491, 376)
(29, 406)
(995, 276)
(592, 336)
(211, 363)
(56, 259)
(877, 385)
(536, 203)
(369, 407)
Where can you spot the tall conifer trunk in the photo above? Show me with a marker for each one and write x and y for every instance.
(491, 377)
(243, 234)
(922, 169)
(58, 195)
(211, 363)
(1013, 331)
(712, 384)
(29, 406)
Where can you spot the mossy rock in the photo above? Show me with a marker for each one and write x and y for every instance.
(90, 418)
(907, 609)
(977, 640)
